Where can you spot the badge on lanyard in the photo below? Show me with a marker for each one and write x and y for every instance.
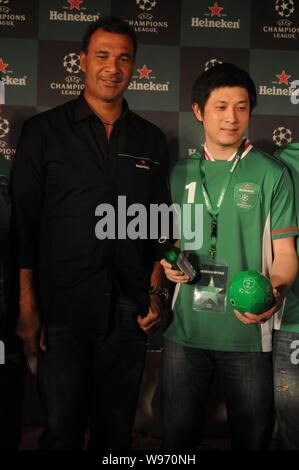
(210, 291)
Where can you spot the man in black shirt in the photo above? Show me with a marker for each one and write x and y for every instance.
(12, 364)
(88, 297)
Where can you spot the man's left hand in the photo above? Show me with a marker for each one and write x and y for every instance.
(250, 318)
(153, 319)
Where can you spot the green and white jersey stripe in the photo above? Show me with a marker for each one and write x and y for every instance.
(288, 318)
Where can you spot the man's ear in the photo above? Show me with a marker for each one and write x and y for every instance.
(197, 112)
(83, 61)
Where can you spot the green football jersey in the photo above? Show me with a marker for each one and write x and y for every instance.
(257, 208)
(288, 319)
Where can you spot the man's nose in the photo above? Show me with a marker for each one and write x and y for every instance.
(231, 115)
(112, 64)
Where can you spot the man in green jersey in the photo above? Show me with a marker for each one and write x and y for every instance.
(286, 336)
(248, 224)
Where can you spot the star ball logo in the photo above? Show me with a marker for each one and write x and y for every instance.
(146, 5)
(6, 151)
(284, 27)
(211, 62)
(285, 8)
(282, 136)
(215, 18)
(72, 84)
(9, 80)
(74, 11)
(7, 17)
(146, 21)
(145, 81)
(280, 87)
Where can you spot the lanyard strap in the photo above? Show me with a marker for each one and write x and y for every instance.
(214, 212)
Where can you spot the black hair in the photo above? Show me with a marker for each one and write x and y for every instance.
(111, 24)
(218, 76)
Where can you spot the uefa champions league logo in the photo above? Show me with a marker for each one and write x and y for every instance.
(284, 8)
(4, 127)
(71, 62)
(248, 284)
(211, 62)
(146, 5)
(282, 136)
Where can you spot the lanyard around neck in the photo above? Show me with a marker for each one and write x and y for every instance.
(214, 212)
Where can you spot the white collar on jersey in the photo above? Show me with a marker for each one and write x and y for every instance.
(247, 149)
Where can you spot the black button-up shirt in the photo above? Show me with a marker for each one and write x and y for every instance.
(64, 167)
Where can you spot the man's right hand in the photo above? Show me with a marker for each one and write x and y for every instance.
(172, 274)
(29, 327)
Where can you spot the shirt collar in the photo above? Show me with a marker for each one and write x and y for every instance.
(247, 148)
(82, 110)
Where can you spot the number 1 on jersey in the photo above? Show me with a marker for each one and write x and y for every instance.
(191, 188)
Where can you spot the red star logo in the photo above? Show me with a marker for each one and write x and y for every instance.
(74, 4)
(144, 72)
(283, 78)
(216, 9)
(3, 66)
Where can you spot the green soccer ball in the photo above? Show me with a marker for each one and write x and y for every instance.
(250, 291)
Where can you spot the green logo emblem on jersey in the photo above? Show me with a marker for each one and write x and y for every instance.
(246, 195)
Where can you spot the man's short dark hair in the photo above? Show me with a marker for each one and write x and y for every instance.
(219, 76)
(111, 24)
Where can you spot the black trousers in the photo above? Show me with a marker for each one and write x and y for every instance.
(88, 380)
(11, 402)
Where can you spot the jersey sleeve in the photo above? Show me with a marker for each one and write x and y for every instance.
(283, 215)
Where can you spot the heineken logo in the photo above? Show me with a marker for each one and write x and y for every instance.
(73, 12)
(283, 77)
(144, 81)
(7, 78)
(246, 195)
(280, 87)
(144, 72)
(75, 4)
(216, 10)
(3, 66)
(215, 18)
